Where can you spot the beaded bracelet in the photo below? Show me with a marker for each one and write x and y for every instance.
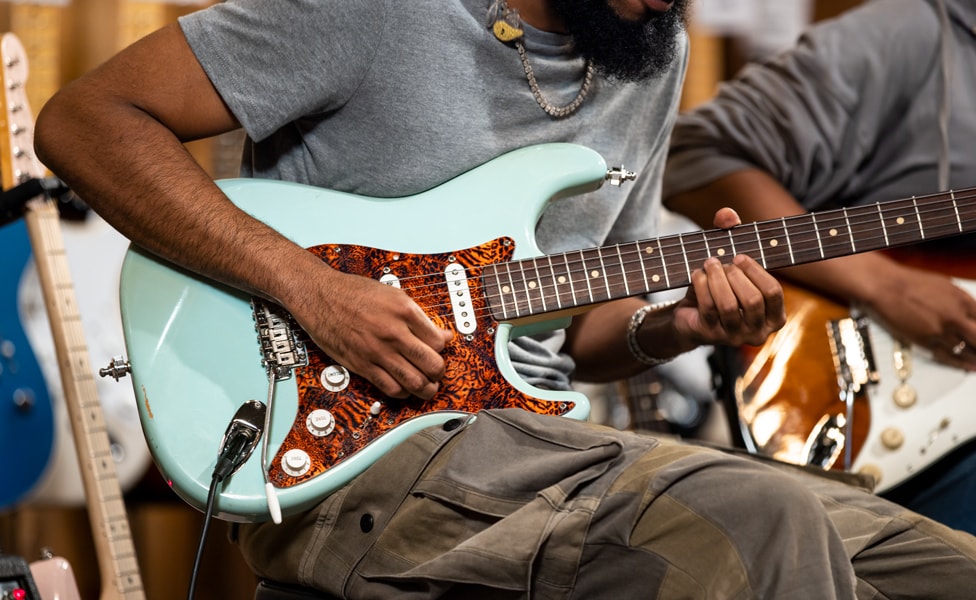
(636, 320)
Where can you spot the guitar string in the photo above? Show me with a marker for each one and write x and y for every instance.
(746, 237)
(748, 232)
(579, 259)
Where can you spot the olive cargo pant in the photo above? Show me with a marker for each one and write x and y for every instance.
(516, 505)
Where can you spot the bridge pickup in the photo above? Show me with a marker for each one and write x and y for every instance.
(460, 293)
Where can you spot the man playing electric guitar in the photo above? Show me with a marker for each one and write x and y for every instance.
(874, 104)
(386, 103)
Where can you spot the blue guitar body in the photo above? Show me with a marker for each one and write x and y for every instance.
(196, 357)
(26, 416)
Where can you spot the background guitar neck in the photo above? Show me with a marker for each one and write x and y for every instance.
(117, 561)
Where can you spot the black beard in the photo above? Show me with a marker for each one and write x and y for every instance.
(622, 49)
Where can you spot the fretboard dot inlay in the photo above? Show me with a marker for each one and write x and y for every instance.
(832, 232)
(532, 285)
(506, 289)
(774, 243)
(561, 279)
(594, 274)
(900, 220)
(721, 252)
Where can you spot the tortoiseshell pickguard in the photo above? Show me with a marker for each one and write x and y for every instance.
(472, 381)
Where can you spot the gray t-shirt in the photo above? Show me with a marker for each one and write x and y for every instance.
(851, 116)
(388, 98)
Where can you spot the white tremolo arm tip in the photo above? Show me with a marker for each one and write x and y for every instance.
(273, 505)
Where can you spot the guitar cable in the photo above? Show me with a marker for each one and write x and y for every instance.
(239, 441)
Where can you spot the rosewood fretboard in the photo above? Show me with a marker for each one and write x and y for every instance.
(562, 282)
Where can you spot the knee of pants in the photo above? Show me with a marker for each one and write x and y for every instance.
(739, 494)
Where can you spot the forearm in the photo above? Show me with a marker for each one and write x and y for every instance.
(125, 157)
(598, 340)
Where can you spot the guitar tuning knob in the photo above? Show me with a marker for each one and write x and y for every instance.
(117, 368)
(618, 175)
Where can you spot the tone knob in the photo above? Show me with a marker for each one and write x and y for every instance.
(905, 396)
(320, 422)
(892, 438)
(295, 462)
(335, 378)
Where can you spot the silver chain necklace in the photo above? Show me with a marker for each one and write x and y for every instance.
(507, 27)
(552, 110)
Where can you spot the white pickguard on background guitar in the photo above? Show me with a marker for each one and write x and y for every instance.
(196, 355)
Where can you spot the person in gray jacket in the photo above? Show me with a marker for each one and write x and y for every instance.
(876, 104)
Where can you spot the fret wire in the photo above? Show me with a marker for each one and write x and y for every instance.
(513, 292)
(695, 246)
(759, 243)
(850, 235)
(541, 298)
(643, 267)
(544, 285)
(884, 227)
(498, 291)
(546, 280)
(918, 216)
(816, 228)
(586, 275)
(716, 242)
(789, 242)
(526, 284)
(555, 284)
(569, 276)
(623, 270)
(606, 274)
(685, 256)
(955, 208)
(664, 264)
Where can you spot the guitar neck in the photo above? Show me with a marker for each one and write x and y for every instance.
(572, 281)
(118, 565)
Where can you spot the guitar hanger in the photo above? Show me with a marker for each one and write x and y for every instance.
(13, 201)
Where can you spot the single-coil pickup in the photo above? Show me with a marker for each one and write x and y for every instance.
(460, 293)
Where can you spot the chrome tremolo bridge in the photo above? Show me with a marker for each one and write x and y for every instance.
(850, 347)
(282, 348)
